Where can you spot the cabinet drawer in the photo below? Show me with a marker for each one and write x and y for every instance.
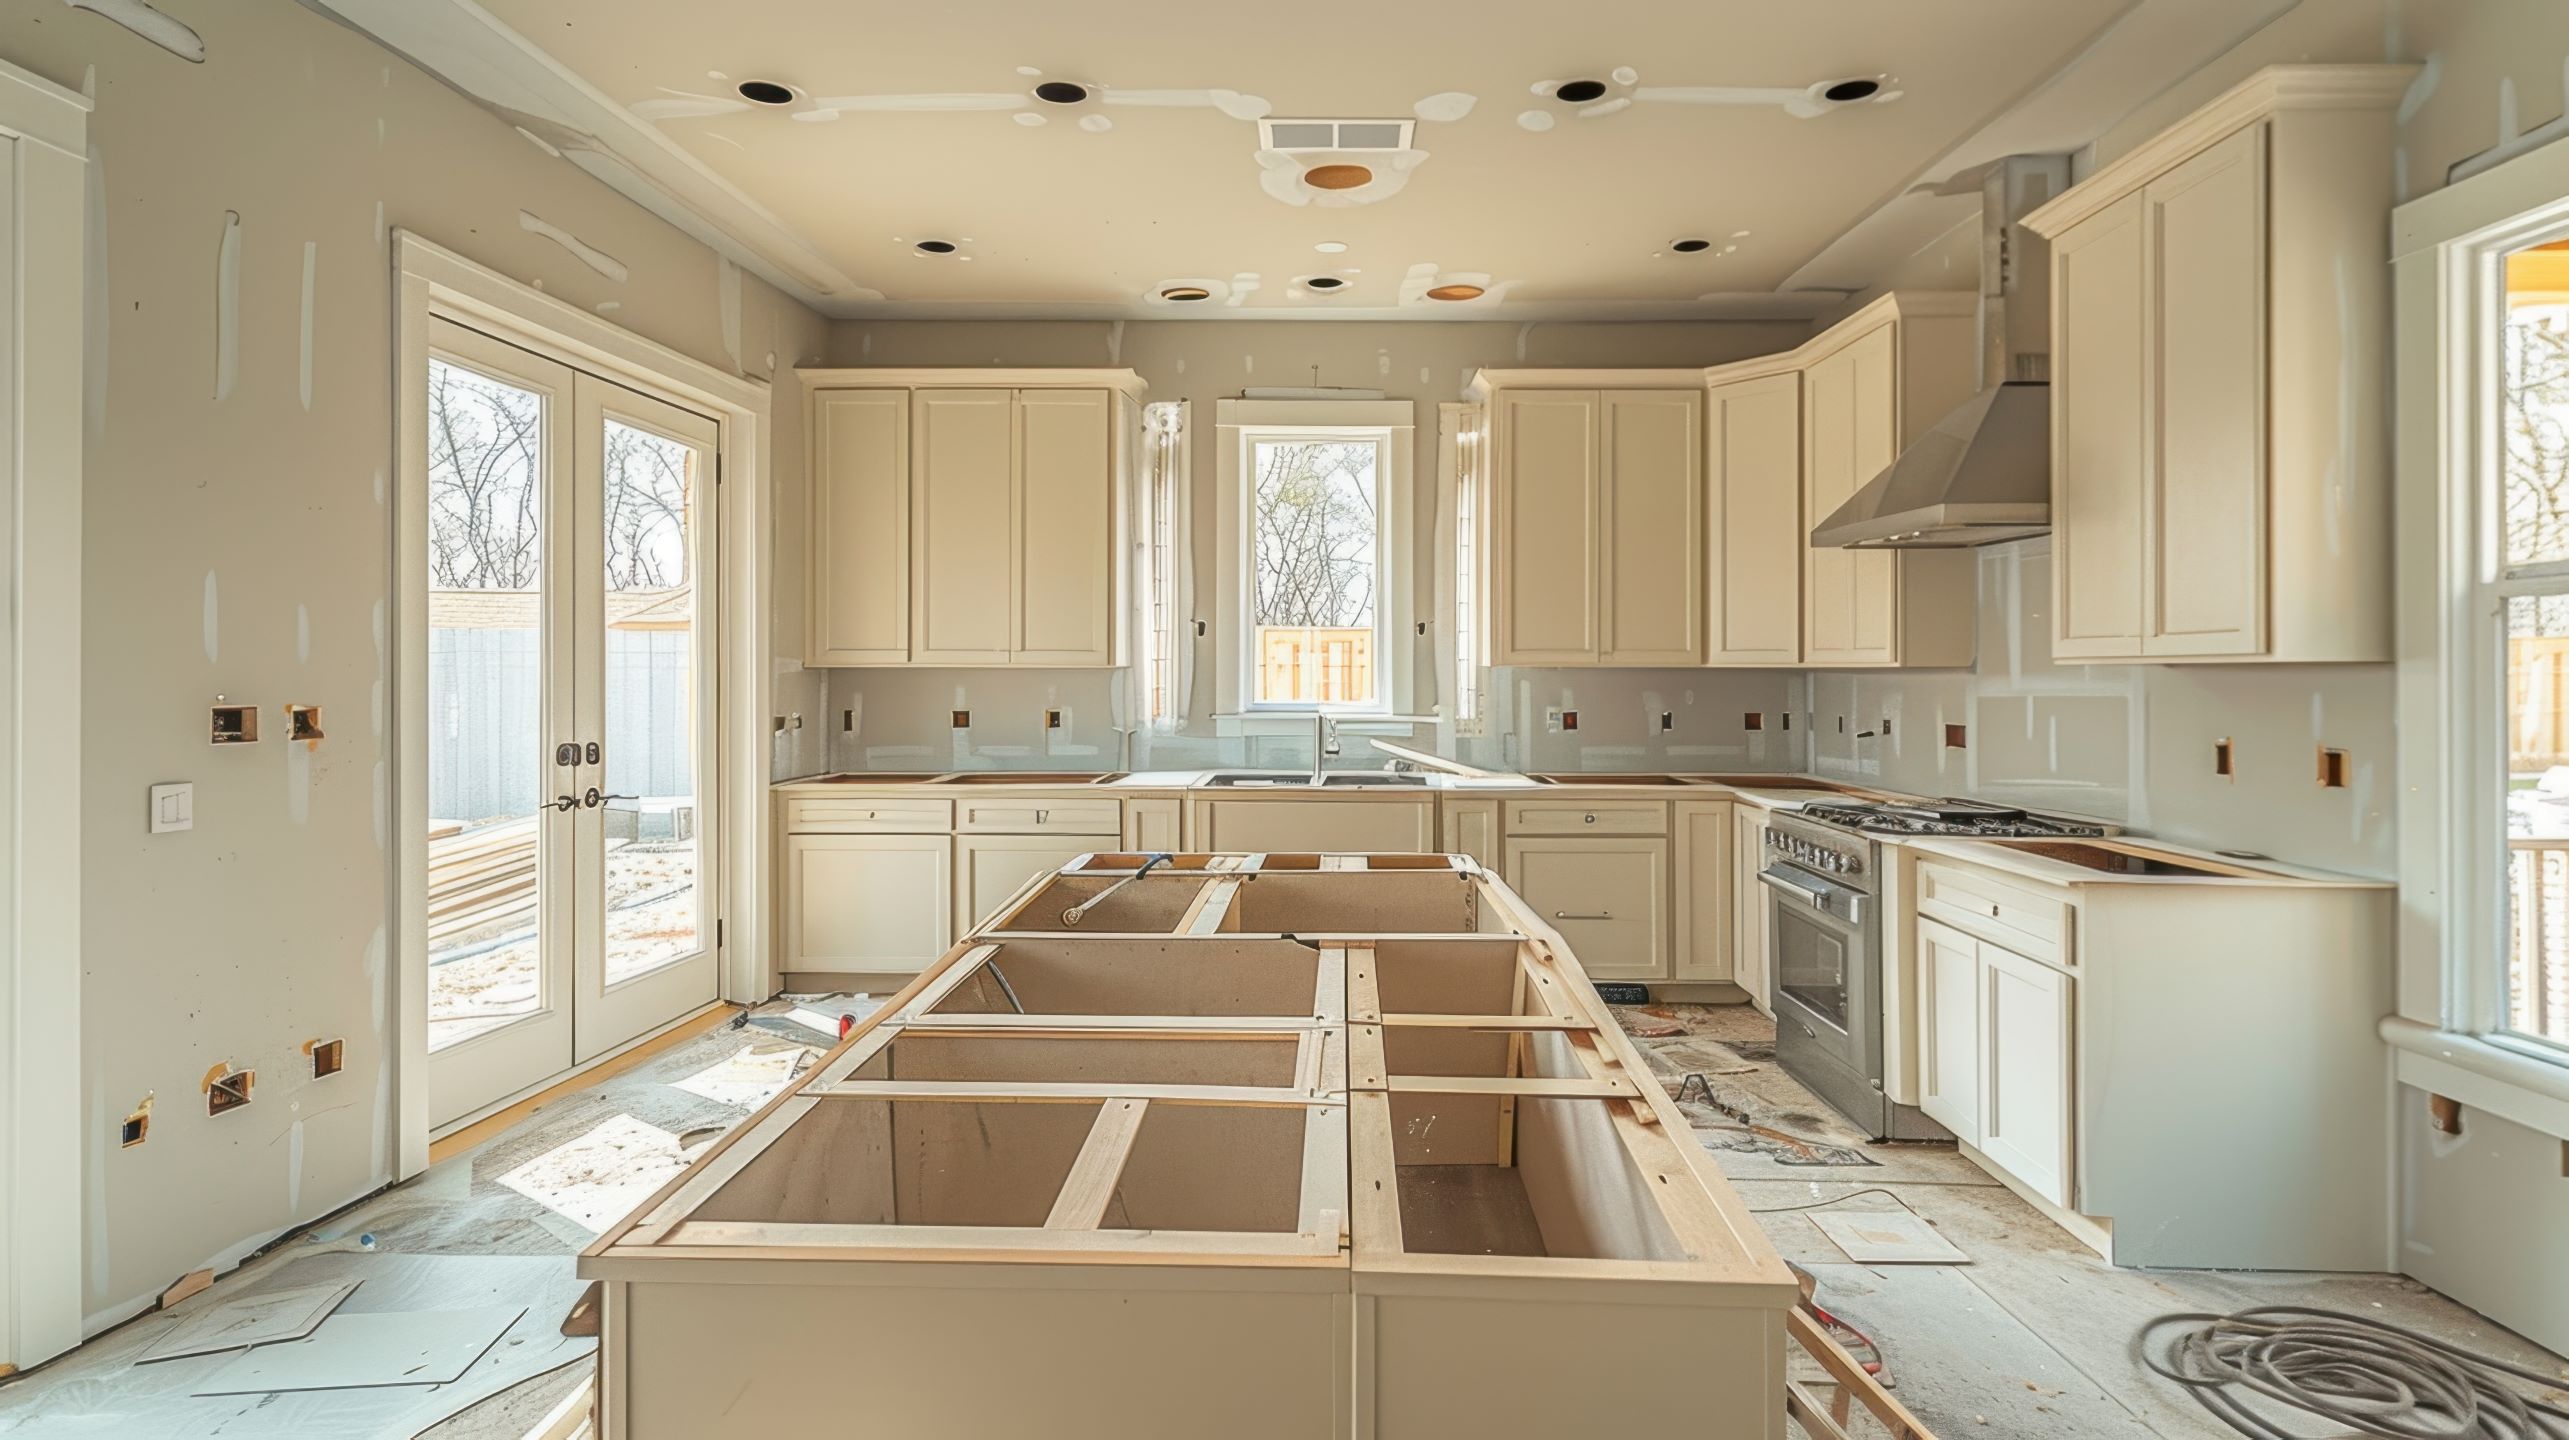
(1086, 815)
(1572, 817)
(860, 815)
(2023, 918)
(1607, 898)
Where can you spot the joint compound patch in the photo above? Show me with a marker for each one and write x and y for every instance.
(139, 17)
(586, 253)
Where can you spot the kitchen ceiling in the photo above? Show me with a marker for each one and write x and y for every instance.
(1536, 159)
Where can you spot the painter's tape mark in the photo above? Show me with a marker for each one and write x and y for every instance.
(302, 635)
(311, 261)
(93, 300)
(227, 306)
(213, 628)
(379, 224)
(727, 296)
(152, 25)
(587, 254)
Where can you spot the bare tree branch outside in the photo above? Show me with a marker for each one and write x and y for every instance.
(1313, 553)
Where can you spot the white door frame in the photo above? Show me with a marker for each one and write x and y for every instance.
(433, 281)
(43, 134)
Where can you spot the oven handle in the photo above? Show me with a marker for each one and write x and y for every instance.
(1816, 899)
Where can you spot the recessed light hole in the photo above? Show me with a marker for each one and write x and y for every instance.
(1690, 245)
(1580, 92)
(1183, 294)
(1847, 92)
(765, 92)
(1456, 292)
(1324, 282)
(937, 247)
(1337, 177)
(1061, 92)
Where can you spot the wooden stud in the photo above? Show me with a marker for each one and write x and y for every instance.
(1090, 1188)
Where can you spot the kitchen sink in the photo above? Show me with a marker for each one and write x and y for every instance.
(1260, 780)
(1032, 777)
(1607, 780)
(2114, 860)
(1362, 778)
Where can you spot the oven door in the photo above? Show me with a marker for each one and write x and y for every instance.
(1825, 962)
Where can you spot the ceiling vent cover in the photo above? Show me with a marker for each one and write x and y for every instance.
(1377, 135)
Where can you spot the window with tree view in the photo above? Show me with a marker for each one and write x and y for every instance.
(2533, 580)
(1315, 562)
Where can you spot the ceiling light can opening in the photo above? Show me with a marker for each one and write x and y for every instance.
(1337, 177)
(1061, 92)
(1847, 92)
(1691, 245)
(1579, 92)
(1185, 294)
(1323, 282)
(766, 92)
(1456, 292)
(937, 247)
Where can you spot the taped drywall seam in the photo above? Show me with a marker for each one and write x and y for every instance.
(212, 629)
(227, 306)
(379, 225)
(93, 300)
(1115, 343)
(303, 379)
(152, 25)
(595, 258)
(727, 297)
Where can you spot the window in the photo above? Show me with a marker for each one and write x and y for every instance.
(1315, 553)
(2533, 580)
(1315, 605)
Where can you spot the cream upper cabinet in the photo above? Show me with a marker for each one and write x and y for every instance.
(961, 523)
(859, 557)
(1871, 385)
(2220, 474)
(1598, 533)
(1065, 544)
(1755, 540)
(1651, 609)
(1545, 575)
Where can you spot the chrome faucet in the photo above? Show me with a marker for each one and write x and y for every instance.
(1324, 743)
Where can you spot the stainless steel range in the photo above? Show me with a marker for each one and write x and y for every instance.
(1824, 940)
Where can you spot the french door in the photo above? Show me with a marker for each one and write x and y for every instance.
(569, 714)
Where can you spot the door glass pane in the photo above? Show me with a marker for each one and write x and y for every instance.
(2538, 816)
(1313, 546)
(654, 905)
(485, 718)
(2535, 400)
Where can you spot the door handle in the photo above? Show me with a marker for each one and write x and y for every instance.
(564, 802)
(593, 799)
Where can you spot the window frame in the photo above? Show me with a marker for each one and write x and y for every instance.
(2455, 928)
(1242, 425)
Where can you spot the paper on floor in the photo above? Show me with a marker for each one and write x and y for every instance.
(598, 1178)
(348, 1352)
(264, 1319)
(1893, 1237)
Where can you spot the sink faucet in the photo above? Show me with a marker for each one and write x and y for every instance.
(1324, 742)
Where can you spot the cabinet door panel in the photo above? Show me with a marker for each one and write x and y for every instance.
(1652, 527)
(1748, 911)
(989, 869)
(867, 903)
(2207, 248)
(1949, 1029)
(2025, 1104)
(1066, 531)
(2100, 437)
(1608, 898)
(859, 553)
(1753, 457)
(1828, 478)
(963, 527)
(1704, 870)
(1545, 585)
(1874, 574)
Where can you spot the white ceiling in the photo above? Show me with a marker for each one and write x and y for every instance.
(918, 122)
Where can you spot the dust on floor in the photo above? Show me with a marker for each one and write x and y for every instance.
(2033, 1337)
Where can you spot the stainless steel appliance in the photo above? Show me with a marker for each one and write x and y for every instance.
(1824, 939)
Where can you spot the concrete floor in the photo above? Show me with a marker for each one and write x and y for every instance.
(2034, 1336)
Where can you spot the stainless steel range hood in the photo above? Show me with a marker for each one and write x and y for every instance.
(1984, 473)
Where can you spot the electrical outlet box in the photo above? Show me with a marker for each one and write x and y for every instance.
(233, 724)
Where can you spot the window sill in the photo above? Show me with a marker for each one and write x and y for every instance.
(2507, 1083)
(1298, 722)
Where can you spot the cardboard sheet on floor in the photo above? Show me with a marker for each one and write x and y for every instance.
(268, 1318)
(356, 1352)
(1888, 1237)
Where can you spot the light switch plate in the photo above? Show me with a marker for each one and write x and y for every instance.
(173, 808)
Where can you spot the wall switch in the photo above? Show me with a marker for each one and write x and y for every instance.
(173, 807)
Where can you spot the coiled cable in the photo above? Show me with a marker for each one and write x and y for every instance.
(2368, 1375)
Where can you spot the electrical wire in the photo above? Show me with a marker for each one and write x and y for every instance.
(2368, 1375)
(1819, 1204)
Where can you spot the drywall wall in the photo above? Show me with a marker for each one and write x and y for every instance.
(903, 718)
(238, 465)
(2131, 744)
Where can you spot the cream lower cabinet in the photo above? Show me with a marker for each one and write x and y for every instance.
(2220, 463)
(1469, 825)
(1154, 824)
(989, 869)
(1748, 909)
(1995, 1030)
(1337, 824)
(867, 904)
(1608, 897)
(1704, 873)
